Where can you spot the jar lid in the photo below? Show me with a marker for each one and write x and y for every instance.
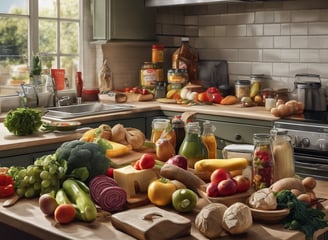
(158, 46)
(243, 82)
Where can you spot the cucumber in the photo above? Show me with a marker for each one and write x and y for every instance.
(81, 199)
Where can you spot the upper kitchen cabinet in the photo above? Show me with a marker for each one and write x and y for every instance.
(123, 20)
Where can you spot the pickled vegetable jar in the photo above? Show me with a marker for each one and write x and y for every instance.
(263, 161)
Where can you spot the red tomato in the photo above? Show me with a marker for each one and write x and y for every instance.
(136, 90)
(147, 161)
(144, 91)
(212, 90)
(216, 98)
(127, 89)
(203, 97)
(110, 172)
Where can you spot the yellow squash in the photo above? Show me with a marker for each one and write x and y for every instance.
(117, 149)
(230, 164)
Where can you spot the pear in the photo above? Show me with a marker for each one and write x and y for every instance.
(164, 149)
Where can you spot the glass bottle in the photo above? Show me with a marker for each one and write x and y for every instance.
(179, 129)
(192, 146)
(283, 153)
(209, 139)
(263, 161)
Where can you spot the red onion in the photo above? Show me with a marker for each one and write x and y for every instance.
(112, 198)
(97, 184)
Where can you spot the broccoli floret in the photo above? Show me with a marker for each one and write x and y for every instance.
(84, 159)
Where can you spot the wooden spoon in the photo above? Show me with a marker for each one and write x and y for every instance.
(11, 201)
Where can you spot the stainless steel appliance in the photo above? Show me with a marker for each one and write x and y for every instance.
(309, 91)
(310, 141)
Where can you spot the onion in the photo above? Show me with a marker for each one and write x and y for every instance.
(97, 184)
(112, 198)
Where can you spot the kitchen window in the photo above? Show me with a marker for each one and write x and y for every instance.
(48, 28)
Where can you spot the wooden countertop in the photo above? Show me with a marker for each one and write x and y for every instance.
(27, 216)
(9, 141)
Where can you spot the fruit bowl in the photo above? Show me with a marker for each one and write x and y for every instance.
(228, 200)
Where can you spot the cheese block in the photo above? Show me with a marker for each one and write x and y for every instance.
(134, 182)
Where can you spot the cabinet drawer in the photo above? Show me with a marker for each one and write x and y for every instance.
(237, 133)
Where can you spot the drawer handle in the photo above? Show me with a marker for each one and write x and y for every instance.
(237, 137)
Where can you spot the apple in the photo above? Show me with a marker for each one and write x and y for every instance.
(227, 187)
(212, 189)
(220, 174)
(243, 183)
(179, 161)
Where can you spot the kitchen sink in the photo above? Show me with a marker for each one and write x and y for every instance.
(87, 109)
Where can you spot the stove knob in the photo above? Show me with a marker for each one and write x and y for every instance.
(305, 142)
(323, 144)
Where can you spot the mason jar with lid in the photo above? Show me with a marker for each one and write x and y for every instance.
(242, 88)
(148, 75)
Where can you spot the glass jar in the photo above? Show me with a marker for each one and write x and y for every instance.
(160, 125)
(263, 161)
(148, 75)
(209, 140)
(242, 88)
(177, 76)
(283, 153)
(192, 147)
(157, 53)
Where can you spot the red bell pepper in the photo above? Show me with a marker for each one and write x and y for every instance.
(7, 188)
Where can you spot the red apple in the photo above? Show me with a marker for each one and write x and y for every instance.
(179, 161)
(212, 189)
(220, 174)
(243, 183)
(227, 187)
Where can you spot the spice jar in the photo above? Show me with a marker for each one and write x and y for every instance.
(283, 153)
(157, 53)
(242, 88)
(263, 161)
(192, 147)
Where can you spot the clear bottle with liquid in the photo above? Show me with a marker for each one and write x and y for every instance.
(209, 139)
(192, 147)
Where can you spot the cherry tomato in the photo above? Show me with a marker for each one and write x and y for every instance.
(110, 172)
(144, 91)
(136, 90)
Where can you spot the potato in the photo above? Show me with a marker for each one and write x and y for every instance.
(288, 183)
(309, 183)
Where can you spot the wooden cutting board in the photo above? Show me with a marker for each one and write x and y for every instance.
(148, 223)
(130, 157)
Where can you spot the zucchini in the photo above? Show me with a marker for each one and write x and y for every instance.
(62, 198)
(81, 199)
(229, 164)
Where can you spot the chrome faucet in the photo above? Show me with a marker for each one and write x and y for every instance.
(58, 101)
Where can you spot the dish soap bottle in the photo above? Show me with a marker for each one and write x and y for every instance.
(192, 146)
(209, 139)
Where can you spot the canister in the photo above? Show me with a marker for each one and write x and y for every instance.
(242, 88)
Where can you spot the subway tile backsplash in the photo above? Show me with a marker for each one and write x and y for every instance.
(279, 39)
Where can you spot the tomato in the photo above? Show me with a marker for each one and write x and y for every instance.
(110, 172)
(6, 186)
(136, 90)
(147, 161)
(127, 89)
(160, 192)
(137, 165)
(184, 200)
(212, 90)
(216, 97)
(203, 97)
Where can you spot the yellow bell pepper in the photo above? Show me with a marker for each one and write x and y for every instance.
(160, 192)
